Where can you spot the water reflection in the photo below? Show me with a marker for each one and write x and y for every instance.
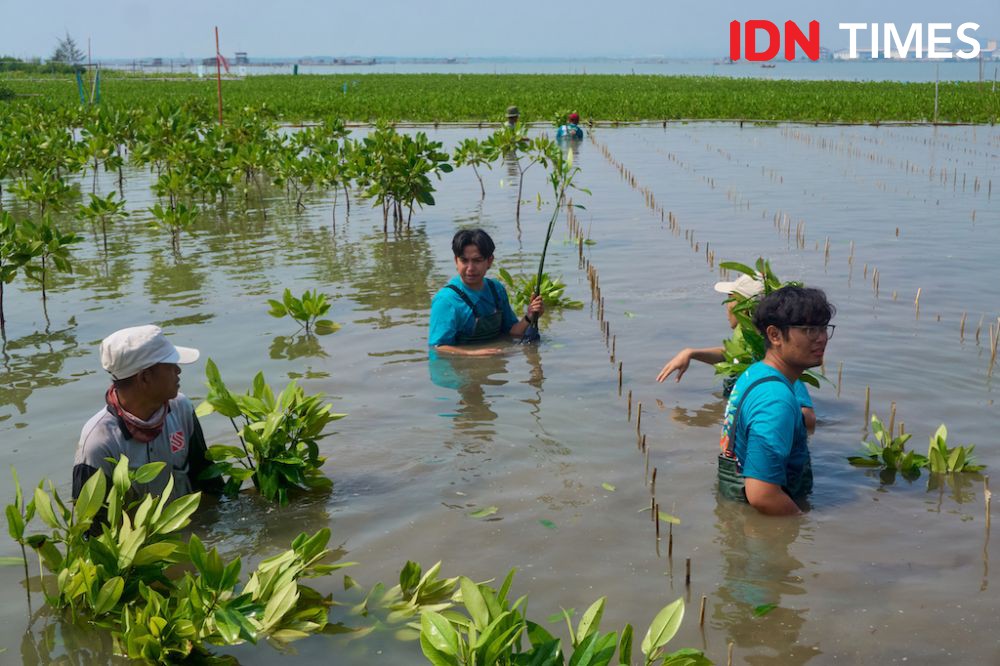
(708, 415)
(50, 639)
(962, 488)
(399, 277)
(760, 571)
(469, 375)
(35, 361)
(296, 346)
(172, 279)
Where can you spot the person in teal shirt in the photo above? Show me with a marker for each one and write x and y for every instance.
(472, 308)
(763, 431)
(570, 130)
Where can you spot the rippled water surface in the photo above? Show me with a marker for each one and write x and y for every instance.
(880, 570)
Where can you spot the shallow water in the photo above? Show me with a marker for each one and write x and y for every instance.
(877, 572)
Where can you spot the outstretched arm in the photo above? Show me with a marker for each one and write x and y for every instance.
(680, 362)
(464, 351)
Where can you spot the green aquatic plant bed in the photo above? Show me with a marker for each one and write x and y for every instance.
(110, 561)
(482, 97)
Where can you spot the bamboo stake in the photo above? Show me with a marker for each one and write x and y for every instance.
(638, 417)
(613, 341)
(979, 328)
(729, 659)
(892, 418)
(687, 572)
(701, 613)
(670, 540)
(840, 376)
(656, 519)
(987, 496)
(652, 488)
(630, 404)
(619, 379)
(868, 398)
(961, 328)
(916, 302)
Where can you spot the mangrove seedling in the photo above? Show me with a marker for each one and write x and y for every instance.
(306, 311)
(561, 178)
(942, 459)
(174, 219)
(278, 437)
(521, 288)
(493, 629)
(13, 255)
(111, 563)
(417, 591)
(475, 154)
(103, 210)
(746, 345)
(889, 453)
(44, 241)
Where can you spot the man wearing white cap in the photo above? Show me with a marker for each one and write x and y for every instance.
(145, 418)
(747, 287)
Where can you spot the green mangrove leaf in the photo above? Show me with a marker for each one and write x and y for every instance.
(484, 512)
(326, 326)
(664, 626)
(148, 472)
(763, 609)
(108, 596)
(667, 518)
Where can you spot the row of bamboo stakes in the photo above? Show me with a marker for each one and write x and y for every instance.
(598, 303)
(782, 222)
(650, 201)
(908, 167)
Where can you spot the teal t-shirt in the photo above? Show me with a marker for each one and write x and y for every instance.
(451, 316)
(771, 442)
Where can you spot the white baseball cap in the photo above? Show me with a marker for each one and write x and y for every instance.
(126, 352)
(744, 285)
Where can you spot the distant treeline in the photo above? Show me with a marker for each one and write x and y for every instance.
(482, 98)
(11, 64)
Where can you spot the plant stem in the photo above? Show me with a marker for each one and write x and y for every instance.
(242, 443)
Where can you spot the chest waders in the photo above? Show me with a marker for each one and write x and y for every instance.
(487, 326)
(732, 483)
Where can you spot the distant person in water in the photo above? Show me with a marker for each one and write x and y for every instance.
(571, 129)
(747, 287)
(472, 308)
(765, 454)
(512, 115)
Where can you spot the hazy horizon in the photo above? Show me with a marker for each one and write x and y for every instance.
(126, 29)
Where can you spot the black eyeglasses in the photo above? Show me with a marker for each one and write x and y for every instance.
(813, 332)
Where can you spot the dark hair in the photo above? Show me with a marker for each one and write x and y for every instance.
(476, 237)
(792, 306)
(124, 383)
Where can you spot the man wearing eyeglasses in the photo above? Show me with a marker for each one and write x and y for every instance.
(765, 456)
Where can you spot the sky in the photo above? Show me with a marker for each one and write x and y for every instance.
(445, 28)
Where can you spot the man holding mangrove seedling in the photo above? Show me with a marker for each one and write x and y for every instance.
(744, 287)
(765, 455)
(473, 308)
(145, 418)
